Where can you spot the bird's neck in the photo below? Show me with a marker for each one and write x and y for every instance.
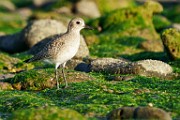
(75, 33)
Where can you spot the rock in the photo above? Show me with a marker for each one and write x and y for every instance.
(171, 41)
(64, 10)
(44, 78)
(87, 8)
(25, 12)
(152, 45)
(176, 26)
(12, 43)
(7, 5)
(148, 68)
(111, 65)
(40, 29)
(5, 86)
(6, 76)
(82, 52)
(12, 64)
(138, 113)
(2, 33)
(106, 6)
(40, 3)
(47, 112)
(83, 49)
(153, 68)
(128, 22)
(78, 65)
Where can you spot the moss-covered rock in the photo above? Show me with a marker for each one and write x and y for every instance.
(39, 79)
(138, 113)
(134, 21)
(171, 41)
(106, 6)
(46, 113)
(34, 80)
(5, 86)
(12, 64)
(122, 31)
(16, 100)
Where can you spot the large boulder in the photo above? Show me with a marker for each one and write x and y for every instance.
(34, 32)
(40, 29)
(87, 8)
(130, 27)
(13, 43)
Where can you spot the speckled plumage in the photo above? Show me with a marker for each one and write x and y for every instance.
(63, 47)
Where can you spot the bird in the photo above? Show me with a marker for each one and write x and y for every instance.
(62, 48)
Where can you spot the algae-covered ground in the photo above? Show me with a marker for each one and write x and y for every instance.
(121, 32)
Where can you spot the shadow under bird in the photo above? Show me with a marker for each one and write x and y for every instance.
(61, 49)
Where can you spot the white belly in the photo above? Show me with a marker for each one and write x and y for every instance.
(67, 53)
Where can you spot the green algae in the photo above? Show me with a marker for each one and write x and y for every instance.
(16, 100)
(98, 97)
(133, 25)
(160, 23)
(11, 22)
(171, 41)
(172, 13)
(34, 80)
(12, 64)
(47, 113)
(106, 6)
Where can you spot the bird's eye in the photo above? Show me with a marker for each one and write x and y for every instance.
(77, 22)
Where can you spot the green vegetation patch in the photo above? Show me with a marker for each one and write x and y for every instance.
(46, 113)
(34, 79)
(122, 30)
(16, 100)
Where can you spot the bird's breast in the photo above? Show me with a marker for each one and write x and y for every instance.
(68, 50)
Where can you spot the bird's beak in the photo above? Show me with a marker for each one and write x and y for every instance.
(88, 27)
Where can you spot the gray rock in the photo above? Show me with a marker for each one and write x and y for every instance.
(83, 49)
(39, 3)
(87, 8)
(33, 33)
(5, 76)
(12, 43)
(64, 10)
(78, 65)
(25, 12)
(40, 29)
(142, 113)
(152, 45)
(154, 66)
(149, 68)
(176, 26)
(8, 5)
(111, 65)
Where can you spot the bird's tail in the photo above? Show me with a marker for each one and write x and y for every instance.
(28, 60)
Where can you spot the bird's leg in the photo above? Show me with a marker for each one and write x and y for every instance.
(56, 76)
(64, 77)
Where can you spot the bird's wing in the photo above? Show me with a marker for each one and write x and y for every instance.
(49, 51)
